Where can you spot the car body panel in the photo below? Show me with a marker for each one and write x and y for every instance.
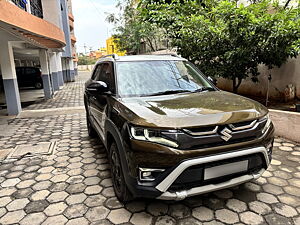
(190, 109)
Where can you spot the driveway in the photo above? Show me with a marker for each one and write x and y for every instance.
(70, 184)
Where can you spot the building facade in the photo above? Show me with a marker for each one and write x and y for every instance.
(36, 33)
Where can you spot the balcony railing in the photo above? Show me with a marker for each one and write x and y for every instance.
(20, 3)
(36, 8)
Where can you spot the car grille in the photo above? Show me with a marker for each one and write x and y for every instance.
(213, 136)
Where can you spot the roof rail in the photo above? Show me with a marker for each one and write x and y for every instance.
(171, 54)
(114, 56)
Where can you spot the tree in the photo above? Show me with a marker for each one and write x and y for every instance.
(131, 30)
(225, 39)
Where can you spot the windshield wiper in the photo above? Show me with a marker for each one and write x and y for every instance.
(168, 92)
(204, 89)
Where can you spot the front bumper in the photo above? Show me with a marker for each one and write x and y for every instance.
(180, 195)
(164, 185)
(164, 188)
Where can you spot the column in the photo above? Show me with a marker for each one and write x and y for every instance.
(59, 69)
(75, 68)
(53, 69)
(64, 68)
(71, 70)
(45, 74)
(10, 83)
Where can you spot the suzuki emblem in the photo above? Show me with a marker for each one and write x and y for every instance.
(226, 134)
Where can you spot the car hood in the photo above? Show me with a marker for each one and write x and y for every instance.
(189, 109)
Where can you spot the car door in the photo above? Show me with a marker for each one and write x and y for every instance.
(98, 101)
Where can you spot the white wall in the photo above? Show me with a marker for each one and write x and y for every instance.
(51, 12)
(287, 74)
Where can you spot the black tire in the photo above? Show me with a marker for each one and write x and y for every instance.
(120, 187)
(38, 85)
(91, 131)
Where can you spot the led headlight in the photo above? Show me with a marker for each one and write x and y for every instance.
(268, 123)
(144, 134)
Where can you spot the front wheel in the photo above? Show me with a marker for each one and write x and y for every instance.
(120, 187)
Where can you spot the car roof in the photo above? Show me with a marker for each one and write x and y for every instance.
(133, 58)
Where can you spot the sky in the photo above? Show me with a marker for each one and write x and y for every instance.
(90, 26)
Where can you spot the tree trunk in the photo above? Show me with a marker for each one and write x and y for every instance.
(236, 82)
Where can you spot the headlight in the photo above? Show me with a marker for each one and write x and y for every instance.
(144, 134)
(268, 123)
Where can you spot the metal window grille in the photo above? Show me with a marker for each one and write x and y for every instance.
(36, 8)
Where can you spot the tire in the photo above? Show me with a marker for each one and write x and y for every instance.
(38, 85)
(91, 131)
(121, 190)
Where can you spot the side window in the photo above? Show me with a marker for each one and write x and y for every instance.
(106, 75)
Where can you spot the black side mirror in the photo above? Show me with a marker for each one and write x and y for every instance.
(97, 87)
(213, 80)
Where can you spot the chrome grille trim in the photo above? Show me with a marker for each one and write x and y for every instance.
(202, 133)
(252, 124)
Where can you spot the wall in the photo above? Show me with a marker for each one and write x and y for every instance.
(287, 124)
(287, 74)
(51, 12)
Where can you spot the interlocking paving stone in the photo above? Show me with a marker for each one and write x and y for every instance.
(73, 186)
(141, 218)
(165, 220)
(203, 214)
(118, 216)
(251, 218)
(33, 219)
(227, 216)
(12, 217)
(97, 213)
(17, 204)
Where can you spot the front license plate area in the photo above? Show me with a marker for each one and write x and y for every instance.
(226, 169)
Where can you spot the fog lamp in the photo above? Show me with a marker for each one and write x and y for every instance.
(147, 174)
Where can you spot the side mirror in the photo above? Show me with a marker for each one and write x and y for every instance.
(97, 87)
(213, 80)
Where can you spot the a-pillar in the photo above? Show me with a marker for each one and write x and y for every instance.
(45, 74)
(59, 69)
(10, 83)
(53, 69)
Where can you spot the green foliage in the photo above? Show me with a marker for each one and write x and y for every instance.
(131, 30)
(222, 38)
(85, 60)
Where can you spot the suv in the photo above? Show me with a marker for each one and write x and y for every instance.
(29, 77)
(169, 132)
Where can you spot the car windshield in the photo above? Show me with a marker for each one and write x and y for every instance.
(146, 78)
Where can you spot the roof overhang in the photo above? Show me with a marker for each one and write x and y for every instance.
(36, 30)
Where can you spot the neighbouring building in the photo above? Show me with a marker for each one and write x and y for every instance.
(37, 33)
(111, 47)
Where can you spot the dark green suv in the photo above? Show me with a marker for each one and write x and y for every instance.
(169, 132)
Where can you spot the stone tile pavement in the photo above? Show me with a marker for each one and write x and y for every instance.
(73, 185)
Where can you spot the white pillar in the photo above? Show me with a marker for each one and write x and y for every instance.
(45, 74)
(10, 83)
(53, 69)
(59, 69)
(70, 73)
